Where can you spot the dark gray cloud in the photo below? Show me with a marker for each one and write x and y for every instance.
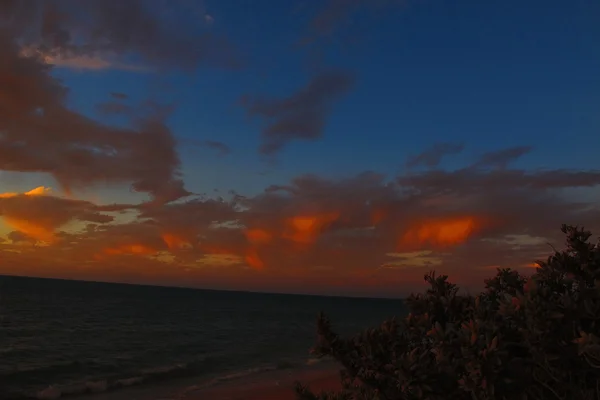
(434, 155)
(302, 115)
(119, 95)
(501, 158)
(113, 107)
(109, 28)
(468, 180)
(336, 13)
(219, 147)
(41, 134)
(20, 237)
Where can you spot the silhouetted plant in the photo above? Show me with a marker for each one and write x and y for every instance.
(520, 339)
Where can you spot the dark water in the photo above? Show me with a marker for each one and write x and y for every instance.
(67, 333)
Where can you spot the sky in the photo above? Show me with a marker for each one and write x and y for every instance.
(342, 147)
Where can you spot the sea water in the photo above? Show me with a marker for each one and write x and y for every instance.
(60, 338)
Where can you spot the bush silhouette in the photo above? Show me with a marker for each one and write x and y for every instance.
(521, 339)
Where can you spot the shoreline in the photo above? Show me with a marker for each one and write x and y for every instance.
(275, 384)
(276, 387)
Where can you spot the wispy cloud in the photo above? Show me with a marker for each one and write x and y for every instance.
(336, 15)
(434, 155)
(114, 29)
(501, 158)
(301, 115)
(94, 62)
(219, 147)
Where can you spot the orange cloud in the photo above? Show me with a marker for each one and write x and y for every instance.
(40, 229)
(305, 229)
(258, 236)
(79, 62)
(440, 233)
(211, 249)
(175, 241)
(253, 259)
(249, 253)
(377, 216)
(38, 191)
(32, 229)
(38, 214)
(136, 249)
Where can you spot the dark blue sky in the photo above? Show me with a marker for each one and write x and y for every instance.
(486, 74)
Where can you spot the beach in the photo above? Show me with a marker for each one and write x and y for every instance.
(266, 385)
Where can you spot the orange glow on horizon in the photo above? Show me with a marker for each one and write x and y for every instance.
(442, 233)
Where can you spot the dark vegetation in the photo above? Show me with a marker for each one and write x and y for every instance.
(522, 338)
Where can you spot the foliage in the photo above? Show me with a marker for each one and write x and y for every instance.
(520, 339)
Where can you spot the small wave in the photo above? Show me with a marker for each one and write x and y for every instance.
(136, 380)
(165, 370)
(313, 361)
(37, 370)
(53, 392)
(7, 350)
(153, 375)
(240, 374)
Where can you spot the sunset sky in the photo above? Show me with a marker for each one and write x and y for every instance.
(319, 146)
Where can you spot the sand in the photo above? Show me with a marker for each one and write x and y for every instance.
(278, 386)
(268, 385)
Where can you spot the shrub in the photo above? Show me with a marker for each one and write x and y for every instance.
(521, 339)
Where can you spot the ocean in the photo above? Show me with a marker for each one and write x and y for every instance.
(85, 336)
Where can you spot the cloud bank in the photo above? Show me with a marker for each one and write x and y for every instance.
(351, 234)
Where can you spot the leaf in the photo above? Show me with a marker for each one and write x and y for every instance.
(494, 343)
(473, 338)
